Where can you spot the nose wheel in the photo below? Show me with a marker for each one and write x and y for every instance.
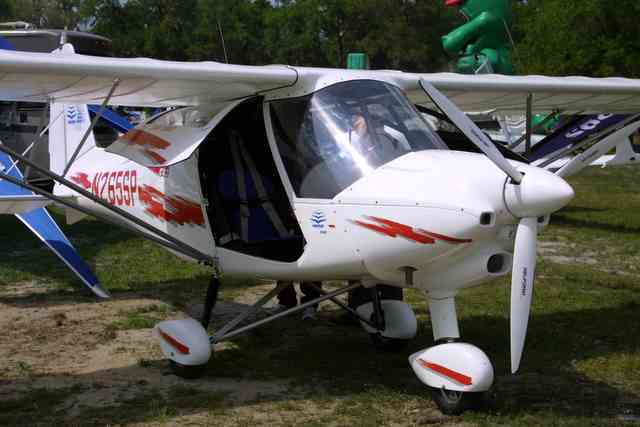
(458, 375)
(454, 402)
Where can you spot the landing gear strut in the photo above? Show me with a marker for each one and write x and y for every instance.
(210, 300)
(188, 346)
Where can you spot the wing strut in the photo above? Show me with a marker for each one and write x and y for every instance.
(116, 82)
(528, 131)
(166, 239)
(544, 121)
(29, 209)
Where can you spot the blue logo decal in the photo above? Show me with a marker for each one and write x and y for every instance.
(74, 115)
(318, 220)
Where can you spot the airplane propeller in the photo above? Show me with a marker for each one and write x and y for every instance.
(537, 194)
(471, 130)
(522, 278)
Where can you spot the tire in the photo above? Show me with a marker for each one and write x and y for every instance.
(390, 345)
(188, 372)
(456, 402)
(360, 296)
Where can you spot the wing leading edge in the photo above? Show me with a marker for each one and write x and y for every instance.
(507, 94)
(74, 78)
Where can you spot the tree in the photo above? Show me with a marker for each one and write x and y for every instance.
(591, 37)
(7, 9)
(242, 23)
(585, 37)
(47, 13)
(155, 28)
(395, 34)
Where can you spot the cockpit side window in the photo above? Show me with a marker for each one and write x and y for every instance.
(333, 137)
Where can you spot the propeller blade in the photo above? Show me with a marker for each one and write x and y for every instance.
(524, 266)
(471, 130)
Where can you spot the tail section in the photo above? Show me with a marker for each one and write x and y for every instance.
(68, 124)
(39, 221)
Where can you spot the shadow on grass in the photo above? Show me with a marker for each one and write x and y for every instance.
(338, 359)
(179, 293)
(26, 253)
(581, 209)
(558, 344)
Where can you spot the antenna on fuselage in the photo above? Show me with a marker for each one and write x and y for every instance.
(224, 47)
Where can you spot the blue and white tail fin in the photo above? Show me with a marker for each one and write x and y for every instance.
(28, 207)
(67, 125)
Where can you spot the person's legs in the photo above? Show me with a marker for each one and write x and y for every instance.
(309, 292)
(287, 296)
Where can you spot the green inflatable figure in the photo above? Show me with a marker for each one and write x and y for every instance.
(484, 39)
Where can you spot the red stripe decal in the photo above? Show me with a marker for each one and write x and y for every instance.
(174, 342)
(395, 229)
(145, 139)
(148, 144)
(456, 376)
(82, 179)
(154, 157)
(174, 209)
(443, 237)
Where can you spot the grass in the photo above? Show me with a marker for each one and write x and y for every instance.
(147, 265)
(581, 364)
(156, 406)
(40, 407)
(141, 318)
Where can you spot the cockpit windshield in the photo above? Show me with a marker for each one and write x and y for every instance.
(333, 137)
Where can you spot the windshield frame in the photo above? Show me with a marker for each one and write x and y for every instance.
(274, 145)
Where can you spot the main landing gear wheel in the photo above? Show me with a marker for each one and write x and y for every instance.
(361, 295)
(185, 342)
(383, 306)
(451, 402)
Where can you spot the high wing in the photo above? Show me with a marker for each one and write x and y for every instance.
(74, 78)
(507, 94)
(142, 82)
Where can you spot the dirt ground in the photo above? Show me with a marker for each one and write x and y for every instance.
(59, 343)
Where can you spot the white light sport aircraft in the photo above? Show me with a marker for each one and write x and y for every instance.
(293, 173)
